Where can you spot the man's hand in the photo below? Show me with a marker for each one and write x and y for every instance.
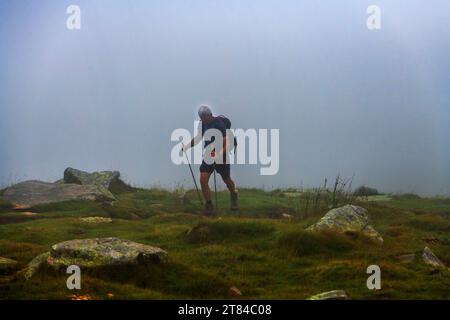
(212, 156)
(185, 148)
(217, 156)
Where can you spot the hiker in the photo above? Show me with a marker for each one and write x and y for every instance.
(208, 121)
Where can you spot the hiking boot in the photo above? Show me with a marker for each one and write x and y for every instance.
(234, 201)
(209, 208)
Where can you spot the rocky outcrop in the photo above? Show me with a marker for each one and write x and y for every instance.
(109, 180)
(330, 295)
(347, 219)
(35, 192)
(76, 185)
(94, 253)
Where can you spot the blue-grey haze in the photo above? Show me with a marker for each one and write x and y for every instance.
(346, 99)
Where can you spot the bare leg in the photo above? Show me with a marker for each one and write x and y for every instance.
(204, 182)
(230, 184)
(233, 193)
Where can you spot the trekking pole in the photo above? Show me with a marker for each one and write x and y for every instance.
(193, 177)
(215, 186)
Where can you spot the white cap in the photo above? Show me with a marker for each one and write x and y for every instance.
(204, 111)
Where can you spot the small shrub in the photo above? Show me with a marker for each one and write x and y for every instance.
(364, 191)
(406, 196)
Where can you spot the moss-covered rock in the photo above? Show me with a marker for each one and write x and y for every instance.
(96, 253)
(37, 264)
(108, 180)
(347, 219)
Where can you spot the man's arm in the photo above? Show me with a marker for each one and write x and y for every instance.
(195, 140)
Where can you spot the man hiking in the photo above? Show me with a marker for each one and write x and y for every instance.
(208, 121)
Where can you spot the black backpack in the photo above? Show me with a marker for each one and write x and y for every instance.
(227, 124)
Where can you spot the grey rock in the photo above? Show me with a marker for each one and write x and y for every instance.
(106, 180)
(98, 252)
(430, 258)
(345, 219)
(35, 192)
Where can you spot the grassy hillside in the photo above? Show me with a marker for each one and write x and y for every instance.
(263, 250)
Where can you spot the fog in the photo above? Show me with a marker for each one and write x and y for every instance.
(369, 103)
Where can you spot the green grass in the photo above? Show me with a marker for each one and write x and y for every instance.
(228, 231)
(433, 205)
(304, 243)
(4, 205)
(264, 255)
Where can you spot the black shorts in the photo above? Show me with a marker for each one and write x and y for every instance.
(222, 169)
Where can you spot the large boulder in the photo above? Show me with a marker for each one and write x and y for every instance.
(94, 253)
(109, 180)
(35, 192)
(347, 219)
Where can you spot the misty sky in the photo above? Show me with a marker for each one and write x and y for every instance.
(375, 104)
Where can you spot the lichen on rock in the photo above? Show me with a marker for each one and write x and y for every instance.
(107, 181)
(347, 219)
(431, 259)
(98, 252)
